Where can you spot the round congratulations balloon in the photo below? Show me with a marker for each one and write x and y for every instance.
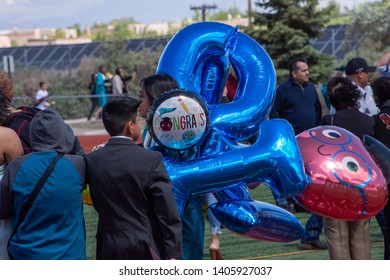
(346, 183)
(178, 120)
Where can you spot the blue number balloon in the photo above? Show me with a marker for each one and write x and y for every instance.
(213, 43)
(198, 57)
(274, 158)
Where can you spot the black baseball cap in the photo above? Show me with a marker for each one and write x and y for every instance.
(356, 65)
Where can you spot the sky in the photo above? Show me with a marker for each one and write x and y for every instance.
(23, 14)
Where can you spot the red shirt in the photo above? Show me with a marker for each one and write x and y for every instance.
(231, 86)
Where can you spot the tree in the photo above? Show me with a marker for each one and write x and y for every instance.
(122, 31)
(100, 32)
(77, 26)
(372, 19)
(285, 27)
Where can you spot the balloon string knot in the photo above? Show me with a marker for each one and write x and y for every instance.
(232, 42)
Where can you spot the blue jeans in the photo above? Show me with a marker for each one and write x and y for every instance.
(313, 228)
(215, 225)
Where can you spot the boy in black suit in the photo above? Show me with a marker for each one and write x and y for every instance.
(131, 191)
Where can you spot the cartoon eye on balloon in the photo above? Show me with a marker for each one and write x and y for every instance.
(351, 169)
(346, 183)
(198, 57)
(331, 136)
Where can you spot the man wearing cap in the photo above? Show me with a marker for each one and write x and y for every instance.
(357, 71)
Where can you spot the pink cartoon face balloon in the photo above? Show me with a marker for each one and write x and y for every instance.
(346, 183)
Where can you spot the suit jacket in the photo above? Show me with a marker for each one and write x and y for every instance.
(132, 193)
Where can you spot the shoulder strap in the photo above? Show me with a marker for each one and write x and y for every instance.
(331, 119)
(35, 192)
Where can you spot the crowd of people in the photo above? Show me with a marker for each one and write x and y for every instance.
(355, 106)
(103, 84)
(43, 169)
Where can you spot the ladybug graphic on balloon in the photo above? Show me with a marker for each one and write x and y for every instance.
(322, 167)
(166, 124)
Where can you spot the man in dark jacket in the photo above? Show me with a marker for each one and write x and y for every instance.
(297, 102)
(132, 192)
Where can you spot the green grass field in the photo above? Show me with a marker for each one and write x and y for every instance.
(234, 246)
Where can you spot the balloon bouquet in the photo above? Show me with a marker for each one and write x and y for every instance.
(327, 170)
(192, 120)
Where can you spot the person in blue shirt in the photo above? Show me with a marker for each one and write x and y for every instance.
(101, 89)
(53, 228)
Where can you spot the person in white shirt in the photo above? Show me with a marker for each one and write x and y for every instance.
(41, 97)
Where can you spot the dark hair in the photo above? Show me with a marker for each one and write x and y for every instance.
(6, 86)
(292, 64)
(343, 93)
(41, 83)
(4, 109)
(117, 112)
(101, 68)
(5, 103)
(381, 89)
(118, 70)
(158, 84)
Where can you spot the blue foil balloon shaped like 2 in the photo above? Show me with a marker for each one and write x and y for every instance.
(209, 46)
(198, 57)
(274, 159)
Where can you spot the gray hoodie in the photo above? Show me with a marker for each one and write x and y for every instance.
(49, 132)
(58, 208)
